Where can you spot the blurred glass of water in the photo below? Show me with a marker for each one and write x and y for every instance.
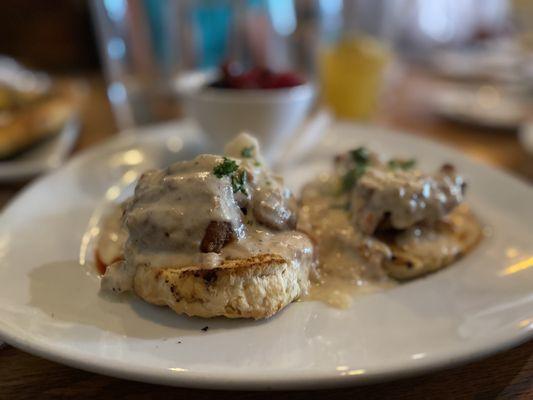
(144, 44)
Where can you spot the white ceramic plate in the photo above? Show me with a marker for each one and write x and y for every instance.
(497, 62)
(44, 157)
(50, 305)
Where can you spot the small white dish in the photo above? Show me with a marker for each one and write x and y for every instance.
(43, 157)
(50, 304)
(272, 115)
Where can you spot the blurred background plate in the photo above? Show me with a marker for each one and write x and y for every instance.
(487, 106)
(42, 157)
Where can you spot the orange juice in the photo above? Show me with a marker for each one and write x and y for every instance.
(351, 73)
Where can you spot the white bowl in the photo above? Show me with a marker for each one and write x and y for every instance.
(272, 115)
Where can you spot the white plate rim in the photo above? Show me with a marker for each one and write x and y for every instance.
(64, 141)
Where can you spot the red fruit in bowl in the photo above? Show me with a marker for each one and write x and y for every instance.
(286, 80)
(243, 81)
(230, 69)
(260, 73)
(282, 80)
(233, 77)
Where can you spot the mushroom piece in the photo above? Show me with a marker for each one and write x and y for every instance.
(275, 207)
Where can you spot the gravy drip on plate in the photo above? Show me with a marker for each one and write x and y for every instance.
(111, 239)
(343, 270)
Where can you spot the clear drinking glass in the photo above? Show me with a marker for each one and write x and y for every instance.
(138, 47)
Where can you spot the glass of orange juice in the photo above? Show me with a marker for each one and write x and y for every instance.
(351, 72)
(353, 58)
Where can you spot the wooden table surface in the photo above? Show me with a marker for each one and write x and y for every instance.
(508, 375)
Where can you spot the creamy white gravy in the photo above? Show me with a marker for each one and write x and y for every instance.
(207, 210)
(165, 222)
(343, 271)
(352, 261)
(112, 236)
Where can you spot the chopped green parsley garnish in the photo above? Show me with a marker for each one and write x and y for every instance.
(247, 152)
(361, 158)
(351, 177)
(238, 182)
(401, 164)
(360, 155)
(226, 167)
(230, 168)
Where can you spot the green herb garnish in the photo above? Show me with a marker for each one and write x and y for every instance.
(401, 164)
(361, 158)
(238, 182)
(225, 168)
(230, 168)
(351, 177)
(247, 152)
(360, 155)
